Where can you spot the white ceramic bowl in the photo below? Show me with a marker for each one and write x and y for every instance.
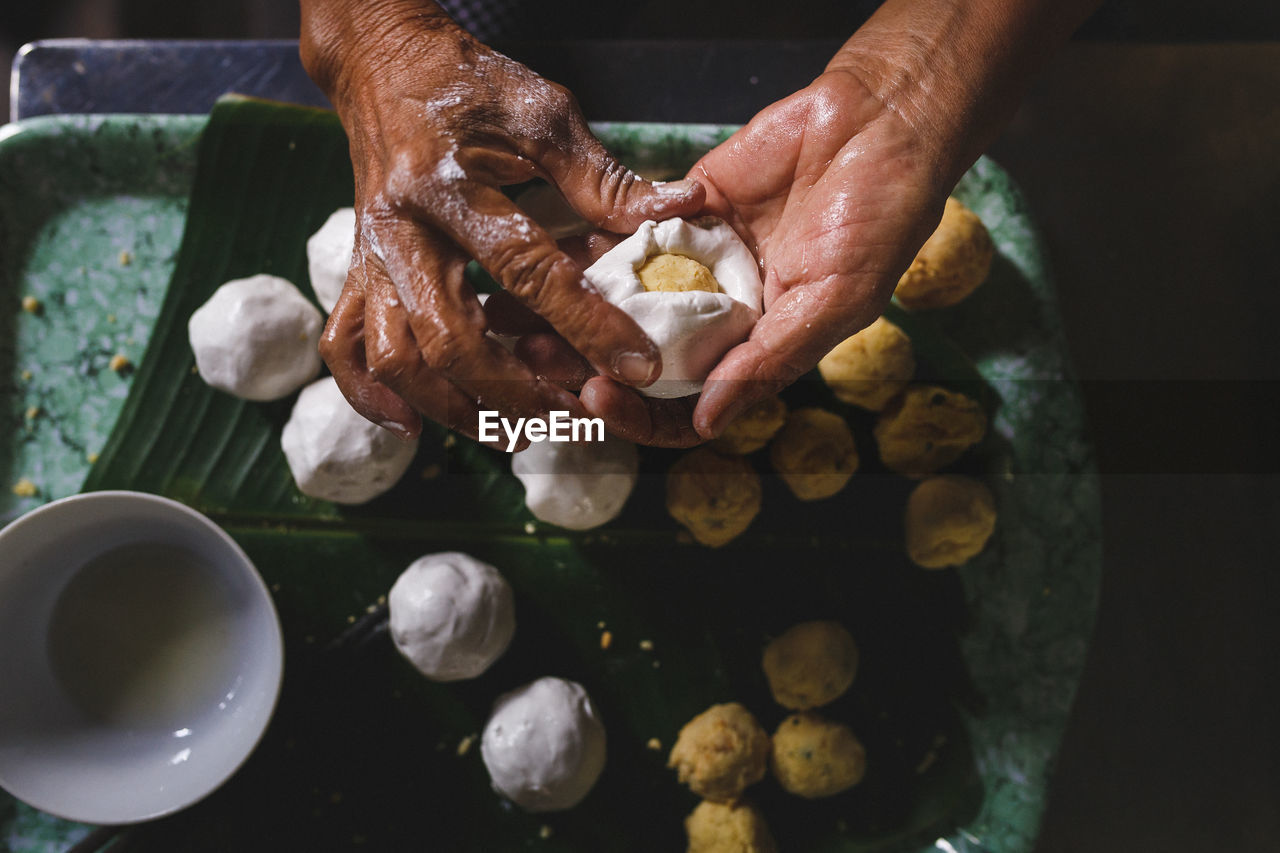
(140, 657)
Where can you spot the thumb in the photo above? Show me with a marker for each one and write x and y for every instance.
(607, 193)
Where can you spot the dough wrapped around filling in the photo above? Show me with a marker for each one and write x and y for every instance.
(693, 287)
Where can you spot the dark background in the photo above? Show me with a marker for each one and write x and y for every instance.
(1148, 151)
(1134, 20)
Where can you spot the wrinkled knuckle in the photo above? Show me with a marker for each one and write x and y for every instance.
(409, 176)
(617, 188)
(443, 351)
(530, 272)
(388, 365)
(559, 99)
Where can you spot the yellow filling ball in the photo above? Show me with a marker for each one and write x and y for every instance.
(715, 497)
(723, 828)
(926, 428)
(870, 367)
(951, 264)
(815, 757)
(948, 521)
(720, 752)
(814, 454)
(810, 664)
(752, 429)
(672, 273)
(720, 828)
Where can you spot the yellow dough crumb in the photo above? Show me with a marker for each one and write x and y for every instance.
(720, 828)
(948, 521)
(669, 272)
(951, 264)
(814, 454)
(810, 664)
(715, 497)
(24, 488)
(753, 428)
(870, 367)
(816, 757)
(720, 752)
(120, 362)
(32, 305)
(926, 428)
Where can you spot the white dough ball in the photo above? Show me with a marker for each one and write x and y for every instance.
(329, 254)
(337, 455)
(452, 616)
(578, 485)
(544, 745)
(256, 338)
(692, 329)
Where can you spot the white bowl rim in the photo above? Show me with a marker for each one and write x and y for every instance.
(15, 787)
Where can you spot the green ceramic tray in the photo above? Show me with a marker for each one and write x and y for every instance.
(92, 211)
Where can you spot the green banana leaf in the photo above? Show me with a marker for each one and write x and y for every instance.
(364, 752)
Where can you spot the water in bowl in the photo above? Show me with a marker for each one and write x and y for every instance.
(143, 636)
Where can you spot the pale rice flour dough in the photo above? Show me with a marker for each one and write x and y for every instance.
(452, 615)
(337, 455)
(256, 338)
(578, 485)
(692, 329)
(544, 745)
(329, 254)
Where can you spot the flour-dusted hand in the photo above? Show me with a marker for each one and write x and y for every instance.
(836, 187)
(437, 123)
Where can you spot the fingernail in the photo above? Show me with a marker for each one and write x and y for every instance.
(681, 187)
(636, 368)
(400, 430)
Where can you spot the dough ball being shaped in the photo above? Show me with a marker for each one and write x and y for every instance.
(715, 497)
(256, 338)
(810, 664)
(926, 428)
(452, 616)
(335, 454)
(948, 521)
(815, 757)
(871, 367)
(578, 485)
(753, 428)
(951, 264)
(814, 454)
(691, 328)
(720, 752)
(544, 745)
(728, 828)
(668, 273)
(329, 254)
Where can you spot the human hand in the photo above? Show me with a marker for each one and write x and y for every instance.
(438, 122)
(834, 193)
